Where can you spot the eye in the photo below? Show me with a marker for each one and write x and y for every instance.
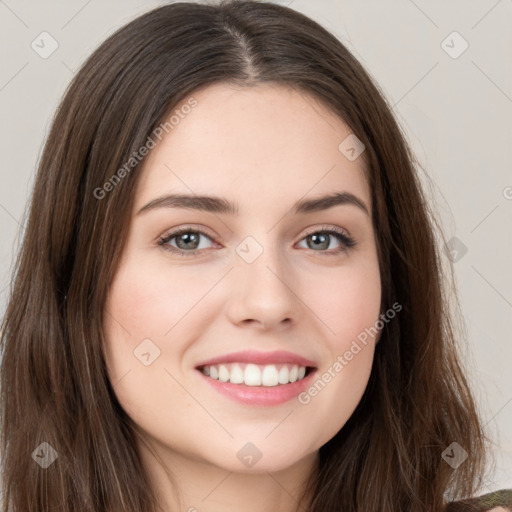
(321, 239)
(187, 240)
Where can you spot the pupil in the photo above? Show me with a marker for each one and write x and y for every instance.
(316, 238)
(188, 238)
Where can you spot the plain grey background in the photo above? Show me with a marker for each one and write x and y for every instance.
(444, 66)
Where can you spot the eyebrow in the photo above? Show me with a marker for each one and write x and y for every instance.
(220, 205)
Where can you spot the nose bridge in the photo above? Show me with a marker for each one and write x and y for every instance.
(261, 258)
(262, 282)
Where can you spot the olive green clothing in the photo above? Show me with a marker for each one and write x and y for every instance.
(483, 503)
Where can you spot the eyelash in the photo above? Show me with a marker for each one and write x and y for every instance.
(346, 241)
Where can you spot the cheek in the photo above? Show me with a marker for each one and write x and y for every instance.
(348, 305)
(151, 316)
(347, 301)
(333, 397)
(350, 312)
(138, 313)
(147, 301)
(142, 349)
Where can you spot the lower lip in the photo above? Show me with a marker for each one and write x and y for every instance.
(260, 395)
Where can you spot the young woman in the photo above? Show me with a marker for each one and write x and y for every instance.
(229, 295)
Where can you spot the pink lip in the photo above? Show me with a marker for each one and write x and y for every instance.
(261, 395)
(251, 356)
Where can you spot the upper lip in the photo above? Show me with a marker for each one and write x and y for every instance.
(251, 356)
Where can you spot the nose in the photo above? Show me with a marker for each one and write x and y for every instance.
(262, 293)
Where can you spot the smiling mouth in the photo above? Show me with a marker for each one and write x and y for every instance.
(250, 374)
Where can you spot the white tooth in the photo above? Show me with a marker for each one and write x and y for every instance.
(284, 374)
(223, 373)
(214, 374)
(255, 375)
(237, 374)
(269, 376)
(252, 375)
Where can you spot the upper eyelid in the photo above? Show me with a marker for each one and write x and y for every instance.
(177, 231)
(324, 227)
(205, 231)
(341, 234)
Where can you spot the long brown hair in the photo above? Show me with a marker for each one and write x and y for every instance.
(54, 384)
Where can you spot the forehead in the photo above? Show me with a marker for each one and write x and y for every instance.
(267, 143)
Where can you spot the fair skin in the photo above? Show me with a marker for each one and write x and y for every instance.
(263, 148)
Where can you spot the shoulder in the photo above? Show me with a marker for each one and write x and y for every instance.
(498, 501)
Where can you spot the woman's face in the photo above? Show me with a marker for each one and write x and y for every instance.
(263, 279)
